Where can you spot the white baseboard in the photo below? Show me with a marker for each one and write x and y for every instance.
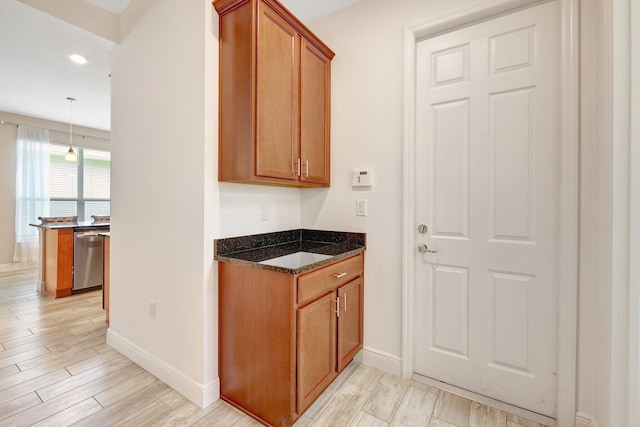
(379, 359)
(200, 394)
(585, 420)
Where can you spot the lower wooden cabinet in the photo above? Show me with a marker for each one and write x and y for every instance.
(349, 334)
(329, 335)
(284, 338)
(106, 275)
(58, 261)
(316, 349)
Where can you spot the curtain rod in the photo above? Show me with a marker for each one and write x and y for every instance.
(4, 122)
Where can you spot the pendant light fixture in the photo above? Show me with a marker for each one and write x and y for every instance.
(71, 155)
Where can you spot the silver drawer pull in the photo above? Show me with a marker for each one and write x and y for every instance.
(339, 275)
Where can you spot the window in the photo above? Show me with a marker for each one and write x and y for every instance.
(81, 188)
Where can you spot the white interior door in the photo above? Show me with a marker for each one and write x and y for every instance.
(487, 167)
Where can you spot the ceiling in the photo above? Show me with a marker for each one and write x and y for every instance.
(36, 75)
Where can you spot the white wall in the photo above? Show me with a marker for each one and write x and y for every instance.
(624, 396)
(594, 298)
(157, 187)
(167, 206)
(367, 132)
(633, 406)
(608, 358)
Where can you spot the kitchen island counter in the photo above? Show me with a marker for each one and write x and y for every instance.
(75, 225)
(58, 273)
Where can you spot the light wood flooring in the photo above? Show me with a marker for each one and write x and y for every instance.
(57, 370)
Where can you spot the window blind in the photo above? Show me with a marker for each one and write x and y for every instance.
(81, 188)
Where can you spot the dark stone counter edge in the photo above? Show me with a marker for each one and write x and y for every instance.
(251, 250)
(231, 245)
(302, 269)
(56, 225)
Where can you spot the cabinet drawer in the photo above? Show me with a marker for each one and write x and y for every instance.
(320, 281)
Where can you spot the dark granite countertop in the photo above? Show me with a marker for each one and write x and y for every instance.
(75, 225)
(258, 249)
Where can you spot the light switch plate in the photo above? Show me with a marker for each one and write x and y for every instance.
(264, 213)
(361, 207)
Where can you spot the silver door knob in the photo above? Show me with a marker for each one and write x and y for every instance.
(424, 248)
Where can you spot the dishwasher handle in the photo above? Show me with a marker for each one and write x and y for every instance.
(87, 235)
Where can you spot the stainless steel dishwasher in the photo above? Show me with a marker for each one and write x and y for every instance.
(87, 260)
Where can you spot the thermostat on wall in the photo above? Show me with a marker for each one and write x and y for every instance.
(362, 178)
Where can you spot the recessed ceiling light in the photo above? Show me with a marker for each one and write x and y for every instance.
(78, 59)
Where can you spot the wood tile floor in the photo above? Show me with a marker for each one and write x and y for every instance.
(57, 370)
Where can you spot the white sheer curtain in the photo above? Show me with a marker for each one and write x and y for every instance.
(32, 190)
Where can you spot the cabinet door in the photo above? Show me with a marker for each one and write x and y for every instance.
(350, 335)
(277, 124)
(316, 349)
(315, 88)
(58, 262)
(106, 268)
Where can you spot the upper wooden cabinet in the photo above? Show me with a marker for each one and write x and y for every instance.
(274, 113)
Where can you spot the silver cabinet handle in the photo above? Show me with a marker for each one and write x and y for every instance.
(337, 312)
(339, 275)
(344, 296)
(306, 168)
(298, 166)
(424, 248)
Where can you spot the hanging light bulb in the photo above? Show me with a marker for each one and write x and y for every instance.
(71, 155)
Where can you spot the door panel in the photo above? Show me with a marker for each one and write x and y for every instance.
(486, 185)
(314, 106)
(277, 91)
(450, 212)
(350, 322)
(449, 310)
(316, 349)
(512, 297)
(511, 154)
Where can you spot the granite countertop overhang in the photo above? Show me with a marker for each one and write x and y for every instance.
(75, 225)
(252, 250)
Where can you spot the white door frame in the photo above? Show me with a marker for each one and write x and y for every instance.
(634, 235)
(624, 131)
(569, 184)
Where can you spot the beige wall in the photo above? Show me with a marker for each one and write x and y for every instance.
(58, 133)
(7, 191)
